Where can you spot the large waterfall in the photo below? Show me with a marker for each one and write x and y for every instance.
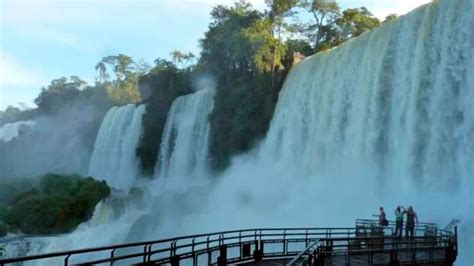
(184, 145)
(114, 158)
(385, 119)
(398, 100)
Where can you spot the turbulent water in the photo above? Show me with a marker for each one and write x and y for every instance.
(114, 158)
(385, 119)
(10, 131)
(184, 145)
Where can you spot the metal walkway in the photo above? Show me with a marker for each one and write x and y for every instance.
(364, 244)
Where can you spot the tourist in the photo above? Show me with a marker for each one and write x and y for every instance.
(382, 219)
(398, 222)
(410, 225)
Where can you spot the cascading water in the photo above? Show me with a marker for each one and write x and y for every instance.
(391, 112)
(114, 158)
(184, 145)
(385, 119)
(10, 131)
(400, 97)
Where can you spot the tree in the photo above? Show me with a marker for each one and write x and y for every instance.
(279, 10)
(122, 65)
(189, 59)
(240, 51)
(356, 21)
(59, 93)
(184, 59)
(390, 17)
(103, 75)
(177, 56)
(124, 89)
(325, 13)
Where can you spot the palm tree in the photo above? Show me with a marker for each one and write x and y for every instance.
(177, 56)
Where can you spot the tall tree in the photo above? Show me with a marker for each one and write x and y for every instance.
(325, 13)
(279, 10)
(124, 89)
(177, 57)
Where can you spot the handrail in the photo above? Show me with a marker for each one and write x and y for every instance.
(310, 248)
(193, 245)
(252, 232)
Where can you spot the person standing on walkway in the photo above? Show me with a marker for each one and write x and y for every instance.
(382, 218)
(412, 217)
(398, 222)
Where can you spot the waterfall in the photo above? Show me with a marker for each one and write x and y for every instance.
(398, 100)
(114, 158)
(385, 119)
(10, 131)
(184, 145)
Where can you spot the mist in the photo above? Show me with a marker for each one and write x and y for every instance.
(57, 143)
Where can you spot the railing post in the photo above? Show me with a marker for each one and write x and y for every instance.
(149, 252)
(284, 242)
(66, 260)
(194, 254)
(112, 254)
(209, 253)
(306, 238)
(241, 253)
(145, 248)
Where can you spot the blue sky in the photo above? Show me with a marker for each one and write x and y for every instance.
(45, 39)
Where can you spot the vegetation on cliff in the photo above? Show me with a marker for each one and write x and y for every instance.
(57, 204)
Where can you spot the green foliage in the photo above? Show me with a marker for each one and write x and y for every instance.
(124, 89)
(356, 21)
(59, 93)
(184, 59)
(59, 205)
(242, 53)
(322, 30)
(10, 190)
(3, 212)
(3, 232)
(390, 17)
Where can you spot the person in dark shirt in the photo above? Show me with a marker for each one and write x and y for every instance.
(382, 219)
(412, 217)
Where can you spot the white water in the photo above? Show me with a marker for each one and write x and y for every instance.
(383, 120)
(184, 145)
(11, 131)
(114, 158)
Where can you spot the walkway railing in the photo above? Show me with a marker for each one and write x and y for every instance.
(303, 245)
(376, 244)
(229, 246)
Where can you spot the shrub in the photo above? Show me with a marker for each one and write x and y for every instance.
(59, 206)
